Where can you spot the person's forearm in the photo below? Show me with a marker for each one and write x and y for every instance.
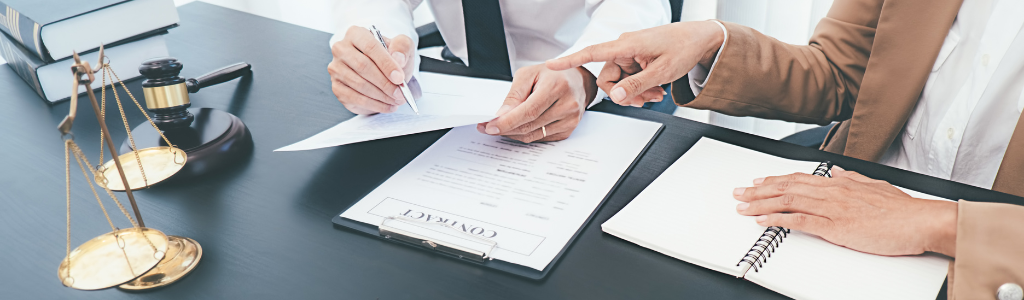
(715, 41)
(942, 228)
(756, 75)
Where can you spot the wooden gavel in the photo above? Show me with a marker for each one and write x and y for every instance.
(167, 93)
(213, 139)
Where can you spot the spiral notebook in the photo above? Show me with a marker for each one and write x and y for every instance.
(689, 213)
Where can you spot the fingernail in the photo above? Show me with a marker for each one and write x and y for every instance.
(504, 109)
(663, 92)
(758, 181)
(480, 128)
(656, 100)
(393, 108)
(397, 77)
(738, 191)
(762, 218)
(838, 168)
(618, 94)
(637, 105)
(742, 206)
(492, 130)
(399, 59)
(399, 98)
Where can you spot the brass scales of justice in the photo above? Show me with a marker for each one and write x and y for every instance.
(135, 258)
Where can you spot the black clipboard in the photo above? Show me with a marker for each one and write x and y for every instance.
(467, 257)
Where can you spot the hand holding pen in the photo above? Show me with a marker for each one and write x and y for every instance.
(366, 75)
(402, 86)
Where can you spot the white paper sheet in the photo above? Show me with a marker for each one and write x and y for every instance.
(447, 101)
(529, 198)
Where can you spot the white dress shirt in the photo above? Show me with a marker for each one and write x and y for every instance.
(968, 110)
(535, 31)
(971, 102)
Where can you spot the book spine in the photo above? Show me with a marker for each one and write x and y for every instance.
(23, 30)
(23, 62)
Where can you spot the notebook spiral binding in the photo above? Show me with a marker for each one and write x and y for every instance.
(758, 255)
(763, 248)
(823, 170)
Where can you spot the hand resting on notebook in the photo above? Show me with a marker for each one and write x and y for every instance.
(853, 211)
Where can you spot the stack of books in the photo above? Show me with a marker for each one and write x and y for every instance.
(39, 37)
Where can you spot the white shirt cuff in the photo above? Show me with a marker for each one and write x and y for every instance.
(699, 75)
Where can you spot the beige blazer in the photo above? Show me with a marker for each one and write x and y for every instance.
(866, 66)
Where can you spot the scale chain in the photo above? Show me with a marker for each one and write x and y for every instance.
(103, 118)
(158, 131)
(67, 181)
(79, 157)
(113, 88)
(124, 119)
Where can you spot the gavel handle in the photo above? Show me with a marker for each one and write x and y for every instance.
(219, 76)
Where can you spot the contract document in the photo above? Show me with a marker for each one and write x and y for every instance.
(447, 101)
(529, 199)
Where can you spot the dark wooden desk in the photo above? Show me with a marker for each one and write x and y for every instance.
(265, 224)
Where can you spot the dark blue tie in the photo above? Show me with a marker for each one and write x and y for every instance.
(485, 37)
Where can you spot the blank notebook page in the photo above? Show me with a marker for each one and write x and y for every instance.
(808, 267)
(689, 213)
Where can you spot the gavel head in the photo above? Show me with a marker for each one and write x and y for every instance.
(166, 93)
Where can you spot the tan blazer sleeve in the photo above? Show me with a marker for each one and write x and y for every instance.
(989, 249)
(756, 75)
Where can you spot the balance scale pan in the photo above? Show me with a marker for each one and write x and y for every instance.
(183, 255)
(113, 258)
(158, 163)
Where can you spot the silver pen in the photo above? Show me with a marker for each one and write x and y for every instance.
(405, 89)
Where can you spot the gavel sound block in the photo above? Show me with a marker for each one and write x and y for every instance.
(212, 139)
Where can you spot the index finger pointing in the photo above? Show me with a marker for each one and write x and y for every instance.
(600, 52)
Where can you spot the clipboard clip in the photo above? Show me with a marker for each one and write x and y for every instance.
(437, 236)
